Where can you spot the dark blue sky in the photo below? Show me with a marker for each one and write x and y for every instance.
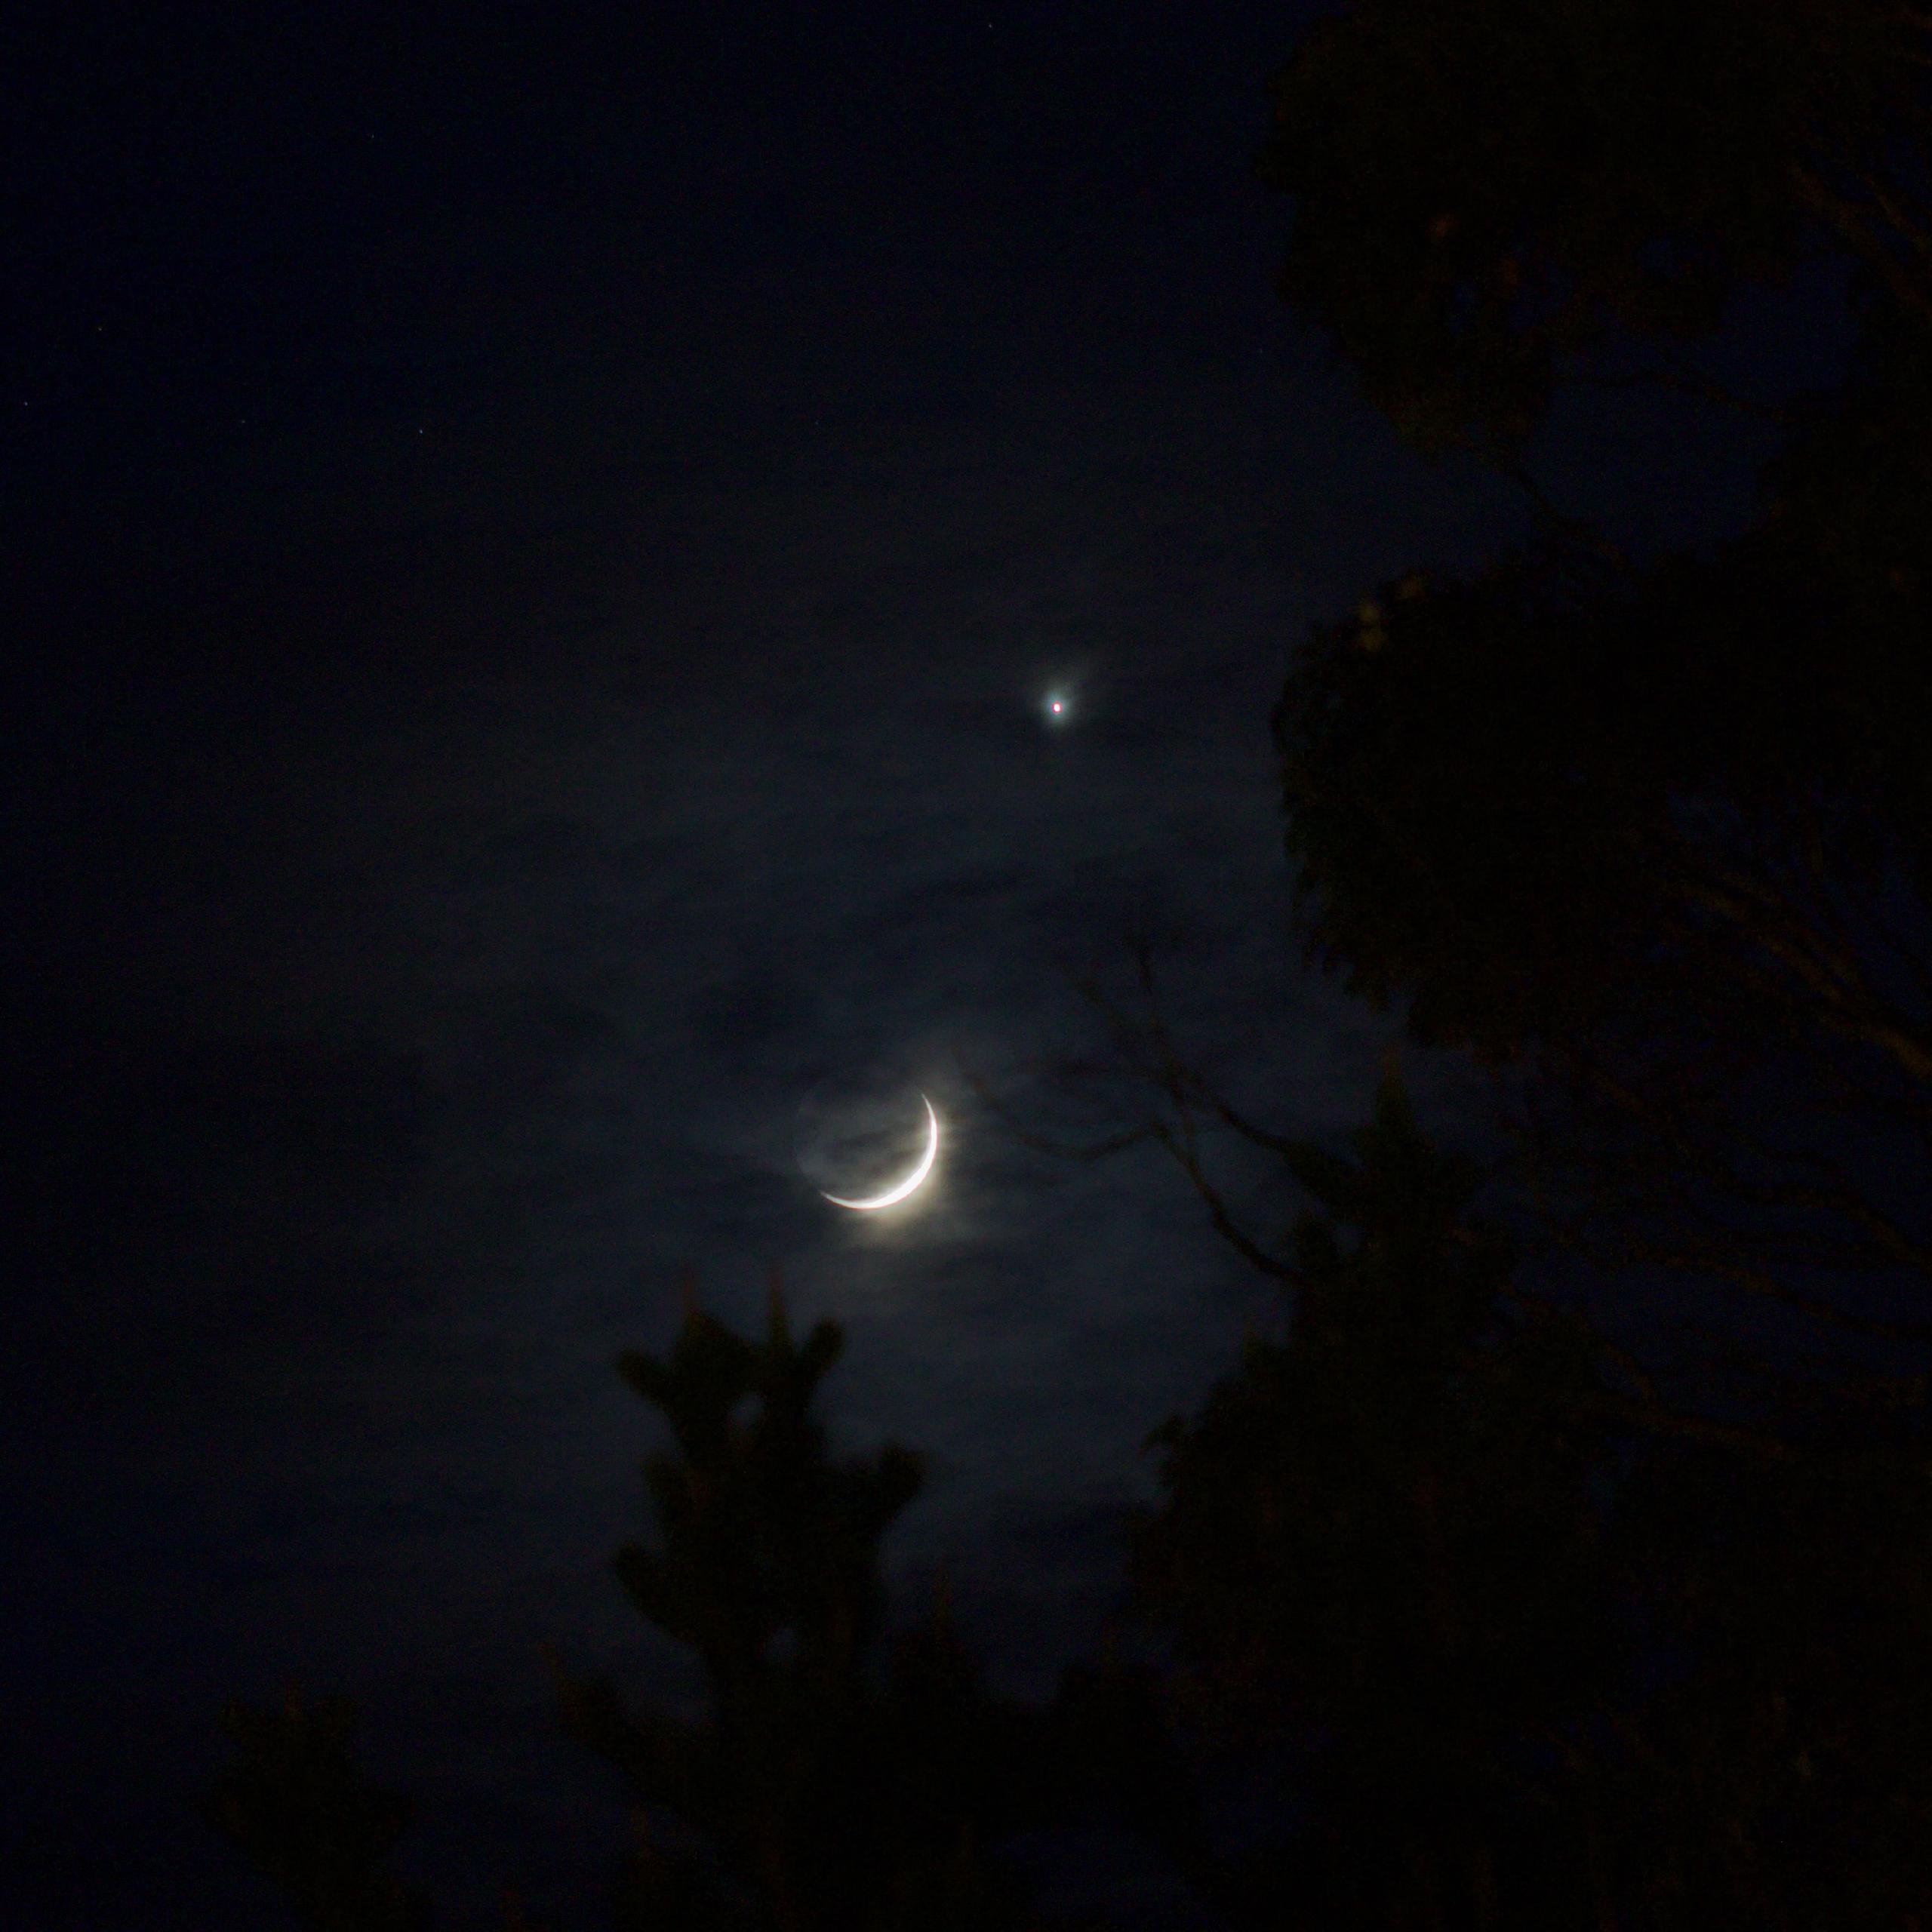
(540, 547)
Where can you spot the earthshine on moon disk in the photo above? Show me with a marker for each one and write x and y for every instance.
(900, 1189)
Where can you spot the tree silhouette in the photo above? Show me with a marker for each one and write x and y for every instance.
(1655, 838)
(839, 1777)
(310, 1821)
(835, 1780)
(1778, 1770)
(1378, 1534)
(1534, 1662)
(1488, 192)
(1659, 851)
(1535, 1669)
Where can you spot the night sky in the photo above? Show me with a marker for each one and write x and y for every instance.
(540, 547)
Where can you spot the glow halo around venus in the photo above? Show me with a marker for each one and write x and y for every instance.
(900, 1189)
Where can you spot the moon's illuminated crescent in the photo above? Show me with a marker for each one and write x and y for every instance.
(900, 1189)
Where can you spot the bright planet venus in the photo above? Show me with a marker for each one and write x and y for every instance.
(909, 1183)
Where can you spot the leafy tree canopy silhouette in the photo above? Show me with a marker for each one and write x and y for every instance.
(834, 1781)
(1379, 1532)
(310, 1822)
(1537, 1670)
(1487, 190)
(1657, 837)
(1537, 1667)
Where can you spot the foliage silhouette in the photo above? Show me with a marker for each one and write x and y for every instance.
(1657, 839)
(1654, 842)
(1533, 1670)
(834, 1779)
(1379, 1534)
(1534, 1667)
(1781, 1773)
(1486, 193)
(306, 1818)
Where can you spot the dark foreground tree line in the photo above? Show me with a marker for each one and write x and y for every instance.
(1491, 1654)
(1567, 1559)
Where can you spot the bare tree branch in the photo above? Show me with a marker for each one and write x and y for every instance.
(1225, 1224)
(1680, 378)
(1854, 226)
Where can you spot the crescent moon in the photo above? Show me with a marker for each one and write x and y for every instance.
(900, 1189)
